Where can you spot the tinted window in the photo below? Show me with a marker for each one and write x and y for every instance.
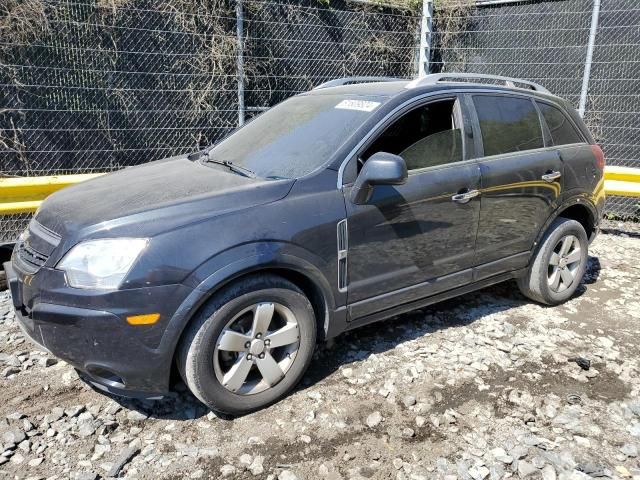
(508, 124)
(562, 131)
(297, 136)
(424, 137)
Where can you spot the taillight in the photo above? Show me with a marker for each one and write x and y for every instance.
(597, 151)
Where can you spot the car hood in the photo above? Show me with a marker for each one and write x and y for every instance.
(154, 197)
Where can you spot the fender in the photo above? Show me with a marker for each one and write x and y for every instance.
(220, 270)
(576, 199)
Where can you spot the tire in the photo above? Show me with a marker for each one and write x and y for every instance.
(546, 280)
(205, 362)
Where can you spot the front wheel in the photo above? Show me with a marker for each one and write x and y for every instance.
(249, 345)
(559, 264)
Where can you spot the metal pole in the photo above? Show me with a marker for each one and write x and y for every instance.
(426, 29)
(595, 16)
(240, 60)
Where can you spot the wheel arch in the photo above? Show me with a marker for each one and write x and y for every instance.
(298, 271)
(578, 209)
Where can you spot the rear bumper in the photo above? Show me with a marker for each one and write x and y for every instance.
(91, 333)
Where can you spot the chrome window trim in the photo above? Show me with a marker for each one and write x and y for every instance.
(457, 91)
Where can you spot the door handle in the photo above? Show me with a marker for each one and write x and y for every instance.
(550, 176)
(465, 195)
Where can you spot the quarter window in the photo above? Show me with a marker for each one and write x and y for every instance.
(561, 129)
(508, 124)
(426, 136)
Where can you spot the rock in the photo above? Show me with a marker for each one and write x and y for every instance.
(519, 452)
(74, 411)
(347, 373)
(17, 459)
(525, 469)
(500, 455)
(548, 473)
(12, 361)
(15, 416)
(287, 475)
(605, 342)
(622, 471)
(84, 476)
(13, 437)
(245, 460)
(479, 472)
(408, 432)
(256, 467)
(630, 450)
(35, 462)
(583, 363)
(374, 419)
(56, 414)
(227, 470)
(255, 441)
(125, 457)
(408, 401)
(7, 372)
(136, 416)
(47, 362)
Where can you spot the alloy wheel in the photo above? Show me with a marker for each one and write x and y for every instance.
(564, 263)
(256, 348)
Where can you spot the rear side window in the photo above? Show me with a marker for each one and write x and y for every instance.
(508, 124)
(561, 129)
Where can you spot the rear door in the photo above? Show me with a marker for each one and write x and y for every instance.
(521, 179)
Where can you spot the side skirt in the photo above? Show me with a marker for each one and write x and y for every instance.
(423, 302)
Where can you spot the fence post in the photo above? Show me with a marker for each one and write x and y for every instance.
(426, 29)
(595, 16)
(240, 60)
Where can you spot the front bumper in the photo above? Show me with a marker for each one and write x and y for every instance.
(88, 329)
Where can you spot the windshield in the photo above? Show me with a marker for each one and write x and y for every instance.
(297, 136)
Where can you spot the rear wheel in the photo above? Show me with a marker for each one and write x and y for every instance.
(249, 345)
(559, 264)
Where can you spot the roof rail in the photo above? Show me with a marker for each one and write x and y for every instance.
(350, 80)
(442, 78)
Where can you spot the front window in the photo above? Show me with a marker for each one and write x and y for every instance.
(427, 136)
(297, 136)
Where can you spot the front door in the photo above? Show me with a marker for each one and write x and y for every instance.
(521, 180)
(414, 240)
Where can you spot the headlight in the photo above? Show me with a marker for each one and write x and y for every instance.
(101, 264)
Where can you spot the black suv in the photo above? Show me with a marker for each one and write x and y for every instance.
(355, 202)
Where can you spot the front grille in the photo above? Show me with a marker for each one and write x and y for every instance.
(30, 258)
(34, 247)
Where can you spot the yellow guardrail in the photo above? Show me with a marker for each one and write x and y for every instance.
(25, 194)
(622, 181)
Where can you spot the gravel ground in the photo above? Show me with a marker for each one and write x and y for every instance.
(486, 386)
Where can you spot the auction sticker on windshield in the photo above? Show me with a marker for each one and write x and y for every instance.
(362, 105)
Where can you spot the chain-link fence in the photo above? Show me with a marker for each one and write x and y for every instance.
(548, 42)
(98, 85)
(95, 86)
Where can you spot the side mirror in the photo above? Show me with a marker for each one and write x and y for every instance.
(381, 168)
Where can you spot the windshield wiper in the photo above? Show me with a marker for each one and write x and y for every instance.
(206, 153)
(232, 166)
